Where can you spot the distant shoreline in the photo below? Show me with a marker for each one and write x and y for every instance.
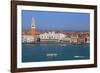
(66, 30)
(56, 43)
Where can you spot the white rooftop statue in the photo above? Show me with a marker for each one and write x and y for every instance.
(33, 22)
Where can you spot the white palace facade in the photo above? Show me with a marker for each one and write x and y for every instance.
(52, 36)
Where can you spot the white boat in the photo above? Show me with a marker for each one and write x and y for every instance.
(79, 56)
(51, 55)
(62, 44)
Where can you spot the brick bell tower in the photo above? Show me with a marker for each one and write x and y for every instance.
(33, 28)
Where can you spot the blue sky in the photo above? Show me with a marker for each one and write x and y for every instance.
(56, 20)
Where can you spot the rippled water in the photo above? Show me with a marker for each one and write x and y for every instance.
(54, 52)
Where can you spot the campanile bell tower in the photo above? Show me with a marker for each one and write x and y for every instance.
(33, 28)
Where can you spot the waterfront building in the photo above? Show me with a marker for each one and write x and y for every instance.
(27, 39)
(74, 38)
(88, 40)
(83, 38)
(67, 39)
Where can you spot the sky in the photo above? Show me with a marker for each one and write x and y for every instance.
(49, 20)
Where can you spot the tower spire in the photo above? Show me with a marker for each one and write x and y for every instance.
(33, 22)
(33, 29)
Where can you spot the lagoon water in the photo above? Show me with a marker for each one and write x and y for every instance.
(54, 52)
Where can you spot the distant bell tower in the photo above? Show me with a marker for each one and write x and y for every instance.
(33, 28)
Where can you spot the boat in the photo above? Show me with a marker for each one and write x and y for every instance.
(78, 56)
(51, 55)
(62, 45)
